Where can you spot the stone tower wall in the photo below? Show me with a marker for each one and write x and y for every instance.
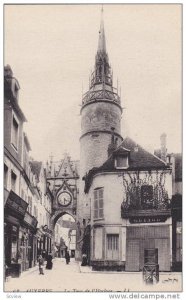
(97, 120)
(100, 116)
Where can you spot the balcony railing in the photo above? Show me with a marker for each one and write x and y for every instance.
(100, 95)
(154, 208)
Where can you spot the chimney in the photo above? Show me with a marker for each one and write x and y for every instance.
(163, 142)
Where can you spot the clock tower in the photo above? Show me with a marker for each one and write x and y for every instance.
(100, 117)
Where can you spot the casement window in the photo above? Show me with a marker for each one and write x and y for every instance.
(5, 175)
(13, 181)
(112, 246)
(98, 203)
(14, 137)
(147, 196)
(121, 162)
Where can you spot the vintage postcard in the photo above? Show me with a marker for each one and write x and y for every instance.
(93, 148)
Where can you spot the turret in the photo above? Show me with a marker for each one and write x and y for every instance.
(100, 111)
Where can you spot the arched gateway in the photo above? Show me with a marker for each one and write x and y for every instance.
(63, 181)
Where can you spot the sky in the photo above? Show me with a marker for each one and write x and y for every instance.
(51, 50)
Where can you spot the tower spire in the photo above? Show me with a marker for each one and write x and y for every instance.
(102, 41)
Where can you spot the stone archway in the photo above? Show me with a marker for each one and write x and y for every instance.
(58, 214)
(55, 217)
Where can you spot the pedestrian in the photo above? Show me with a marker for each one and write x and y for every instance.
(49, 261)
(84, 260)
(41, 264)
(67, 257)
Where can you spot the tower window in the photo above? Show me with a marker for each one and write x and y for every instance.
(98, 203)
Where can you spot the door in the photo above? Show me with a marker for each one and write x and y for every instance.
(132, 255)
(163, 254)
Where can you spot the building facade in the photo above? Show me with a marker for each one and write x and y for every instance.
(131, 209)
(21, 187)
(43, 208)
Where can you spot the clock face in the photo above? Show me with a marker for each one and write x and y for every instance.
(64, 198)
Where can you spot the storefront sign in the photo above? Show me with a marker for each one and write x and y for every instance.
(149, 219)
(16, 203)
(30, 220)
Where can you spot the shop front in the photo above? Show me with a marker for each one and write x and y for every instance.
(44, 238)
(144, 237)
(47, 245)
(148, 230)
(14, 212)
(27, 241)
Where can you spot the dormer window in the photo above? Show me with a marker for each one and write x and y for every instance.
(121, 158)
(121, 162)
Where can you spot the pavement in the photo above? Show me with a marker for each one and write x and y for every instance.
(75, 278)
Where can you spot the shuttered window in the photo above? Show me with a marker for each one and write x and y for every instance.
(98, 203)
(15, 133)
(113, 246)
(13, 181)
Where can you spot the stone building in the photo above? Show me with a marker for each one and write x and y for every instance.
(131, 209)
(43, 208)
(21, 187)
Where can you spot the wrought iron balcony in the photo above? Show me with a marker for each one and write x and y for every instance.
(146, 212)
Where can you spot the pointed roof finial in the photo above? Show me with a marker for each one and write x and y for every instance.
(102, 41)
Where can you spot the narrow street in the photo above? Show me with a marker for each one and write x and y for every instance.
(73, 278)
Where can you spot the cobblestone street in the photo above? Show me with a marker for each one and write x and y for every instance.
(74, 278)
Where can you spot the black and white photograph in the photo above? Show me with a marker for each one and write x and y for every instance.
(92, 148)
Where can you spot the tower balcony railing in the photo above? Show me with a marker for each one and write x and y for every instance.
(102, 94)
